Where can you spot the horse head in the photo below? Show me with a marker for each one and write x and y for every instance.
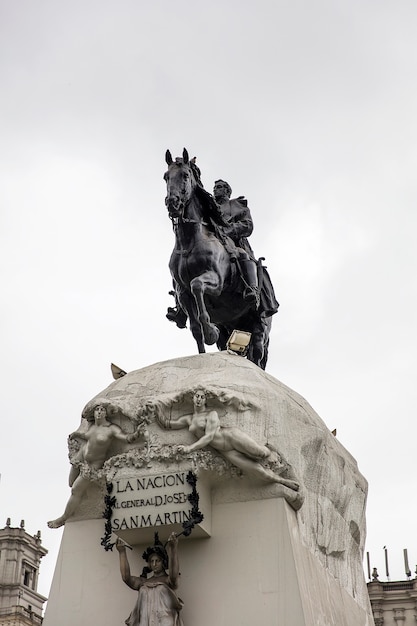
(181, 178)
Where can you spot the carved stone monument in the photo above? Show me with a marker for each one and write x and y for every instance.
(283, 501)
(235, 471)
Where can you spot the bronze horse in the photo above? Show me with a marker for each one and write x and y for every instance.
(208, 285)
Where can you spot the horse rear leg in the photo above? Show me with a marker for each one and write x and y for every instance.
(205, 283)
(187, 303)
(259, 343)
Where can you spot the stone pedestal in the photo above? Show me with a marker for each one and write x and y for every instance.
(259, 557)
(254, 569)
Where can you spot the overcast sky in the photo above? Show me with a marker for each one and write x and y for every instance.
(306, 107)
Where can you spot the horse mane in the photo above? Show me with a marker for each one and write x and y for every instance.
(196, 171)
(211, 210)
(208, 203)
(211, 213)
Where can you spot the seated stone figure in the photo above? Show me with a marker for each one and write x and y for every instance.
(95, 451)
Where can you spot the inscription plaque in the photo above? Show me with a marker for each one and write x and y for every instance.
(145, 502)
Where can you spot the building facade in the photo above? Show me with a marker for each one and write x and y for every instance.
(394, 603)
(20, 555)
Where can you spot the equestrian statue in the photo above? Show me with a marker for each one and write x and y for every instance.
(218, 283)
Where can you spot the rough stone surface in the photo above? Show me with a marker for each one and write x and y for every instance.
(331, 522)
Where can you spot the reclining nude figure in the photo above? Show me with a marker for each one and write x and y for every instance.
(231, 442)
(95, 452)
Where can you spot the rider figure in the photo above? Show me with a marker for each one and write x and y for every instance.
(232, 221)
(237, 225)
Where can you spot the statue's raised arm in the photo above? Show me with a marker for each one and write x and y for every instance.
(157, 602)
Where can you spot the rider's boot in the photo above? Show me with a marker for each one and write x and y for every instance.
(250, 278)
(178, 316)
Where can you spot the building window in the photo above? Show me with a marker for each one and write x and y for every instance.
(26, 578)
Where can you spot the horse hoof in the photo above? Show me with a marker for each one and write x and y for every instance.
(211, 336)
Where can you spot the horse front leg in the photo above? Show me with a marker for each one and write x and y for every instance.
(187, 303)
(205, 283)
(197, 332)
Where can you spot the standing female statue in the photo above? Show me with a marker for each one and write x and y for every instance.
(157, 603)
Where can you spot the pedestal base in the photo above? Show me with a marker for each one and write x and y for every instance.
(254, 569)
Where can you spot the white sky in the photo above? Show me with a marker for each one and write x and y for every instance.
(306, 108)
